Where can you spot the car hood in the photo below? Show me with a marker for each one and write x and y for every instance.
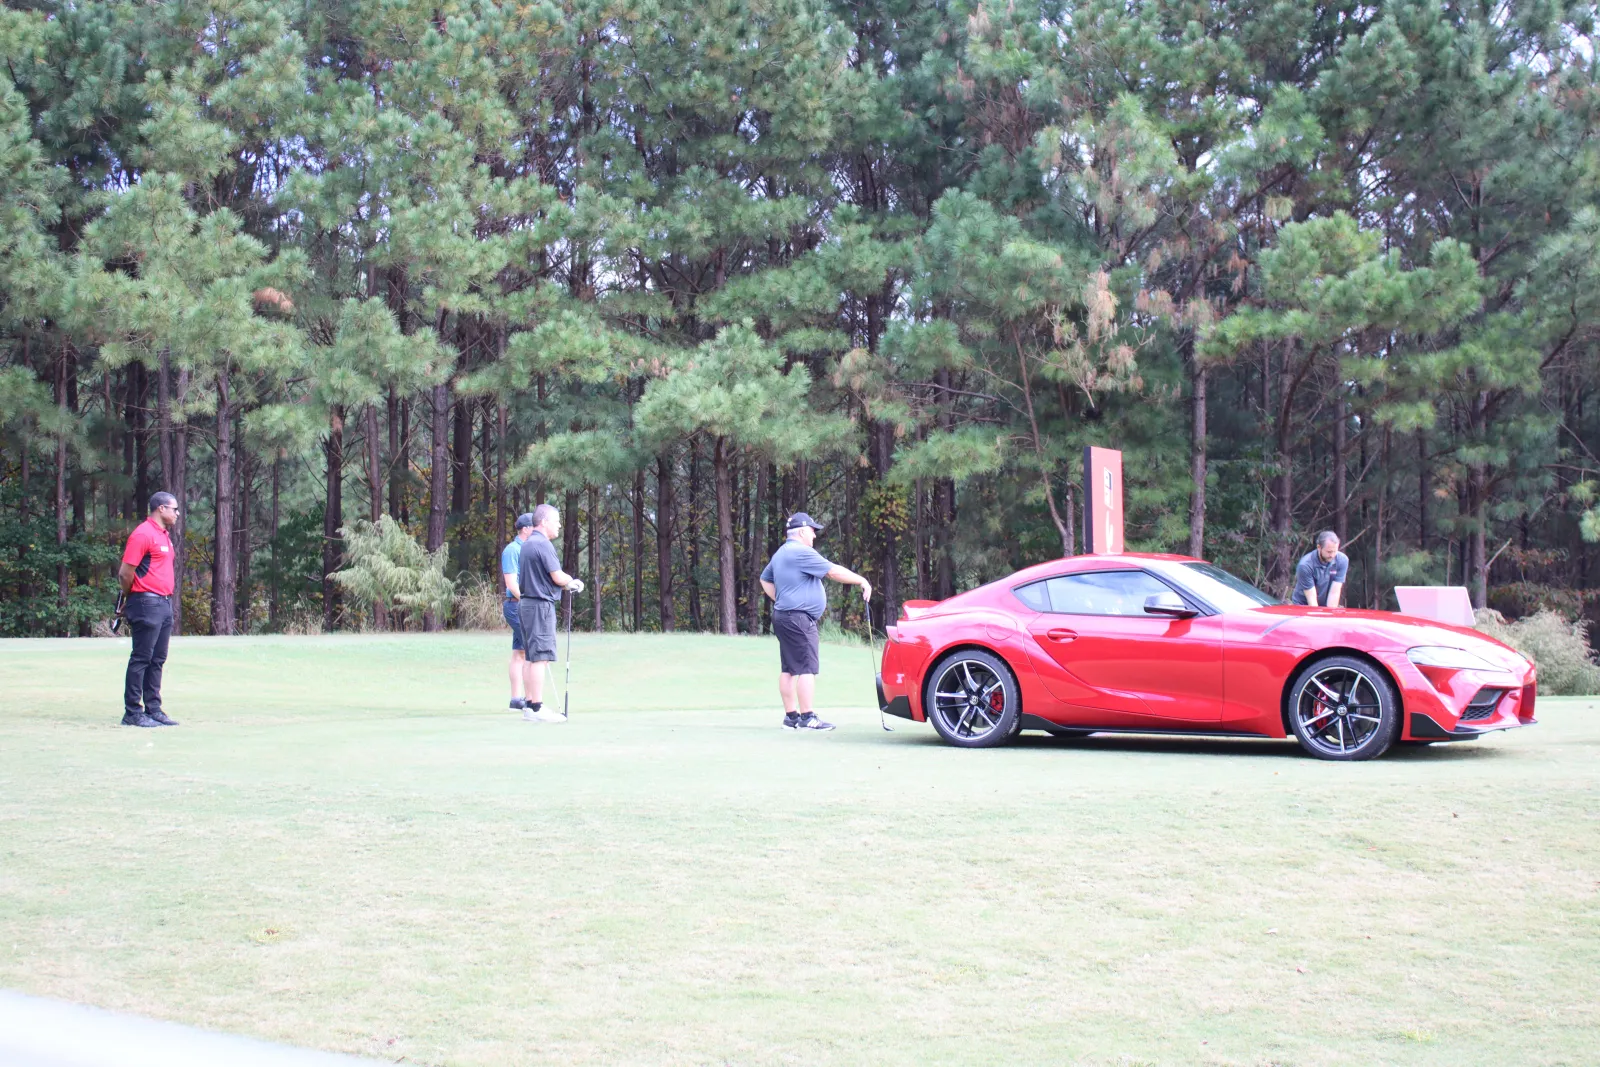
(1372, 631)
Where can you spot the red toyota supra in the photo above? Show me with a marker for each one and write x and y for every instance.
(1168, 644)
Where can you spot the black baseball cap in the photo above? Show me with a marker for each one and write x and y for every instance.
(799, 519)
(525, 520)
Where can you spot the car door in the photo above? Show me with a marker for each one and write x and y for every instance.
(1112, 657)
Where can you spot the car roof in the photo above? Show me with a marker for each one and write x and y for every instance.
(1108, 561)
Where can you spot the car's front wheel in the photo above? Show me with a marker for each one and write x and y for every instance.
(1344, 708)
(972, 700)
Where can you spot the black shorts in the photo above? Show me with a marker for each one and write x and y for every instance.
(513, 617)
(797, 642)
(538, 618)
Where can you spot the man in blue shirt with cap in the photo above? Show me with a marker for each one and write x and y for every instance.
(793, 579)
(510, 560)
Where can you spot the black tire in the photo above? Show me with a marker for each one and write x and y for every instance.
(979, 706)
(1343, 708)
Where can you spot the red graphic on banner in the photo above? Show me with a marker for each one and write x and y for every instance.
(1102, 500)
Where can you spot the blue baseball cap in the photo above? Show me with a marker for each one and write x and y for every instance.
(799, 519)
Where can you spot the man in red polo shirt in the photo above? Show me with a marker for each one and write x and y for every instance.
(146, 575)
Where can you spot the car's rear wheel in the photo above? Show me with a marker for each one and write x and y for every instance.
(1344, 708)
(972, 700)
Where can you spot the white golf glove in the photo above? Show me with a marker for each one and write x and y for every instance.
(575, 586)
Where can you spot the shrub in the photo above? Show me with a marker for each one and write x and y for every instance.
(1517, 600)
(388, 566)
(478, 603)
(1560, 649)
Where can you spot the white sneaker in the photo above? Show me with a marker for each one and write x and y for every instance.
(550, 715)
(529, 715)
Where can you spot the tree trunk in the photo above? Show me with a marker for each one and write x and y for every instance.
(141, 442)
(1477, 562)
(369, 418)
(692, 527)
(1383, 515)
(1341, 512)
(752, 613)
(130, 434)
(1282, 573)
(501, 527)
(224, 566)
(666, 528)
(944, 503)
(332, 516)
(888, 602)
(461, 459)
(569, 533)
(242, 551)
(397, 461)
(727, 591)
(593, 588)
(946, 521)
(61, 488)
(1197, 455)
(438, 482)
(638, 549)
(178, 486)
(1422, 490)
(275, 589)
(919, 539)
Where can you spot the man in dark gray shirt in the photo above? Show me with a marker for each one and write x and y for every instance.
(793, 579)
(1319, 577)
(537, 587)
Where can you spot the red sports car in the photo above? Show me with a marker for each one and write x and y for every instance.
(1169, 644)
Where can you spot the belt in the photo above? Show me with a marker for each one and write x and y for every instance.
(163, 596)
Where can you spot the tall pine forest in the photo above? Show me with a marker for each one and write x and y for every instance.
(681, 268)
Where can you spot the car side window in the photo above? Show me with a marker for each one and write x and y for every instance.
(1093, 593)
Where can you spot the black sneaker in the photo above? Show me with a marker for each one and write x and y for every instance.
(517, 703)
(791, 720)
(161, 718)
(809, 721)
(138, 718)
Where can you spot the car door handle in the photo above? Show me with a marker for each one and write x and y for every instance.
(1060, 634)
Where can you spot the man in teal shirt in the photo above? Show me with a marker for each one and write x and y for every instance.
(510, 560)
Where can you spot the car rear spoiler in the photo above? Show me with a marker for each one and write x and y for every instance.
(912, 609)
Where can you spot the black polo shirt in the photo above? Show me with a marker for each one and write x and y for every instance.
(533, 571)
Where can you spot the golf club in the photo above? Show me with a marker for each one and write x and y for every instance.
(566, 689)
(872, 643)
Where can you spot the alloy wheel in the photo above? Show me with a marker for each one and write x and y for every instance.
(1339, 710)
(969, 699)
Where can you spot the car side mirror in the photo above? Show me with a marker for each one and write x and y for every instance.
(1169, 604)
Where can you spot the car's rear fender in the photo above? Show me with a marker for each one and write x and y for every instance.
(1320, 653)
(970, 646)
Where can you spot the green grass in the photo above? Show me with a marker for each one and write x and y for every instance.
(348, 844)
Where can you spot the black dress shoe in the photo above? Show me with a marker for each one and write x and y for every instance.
(138, 718)
(160, 718)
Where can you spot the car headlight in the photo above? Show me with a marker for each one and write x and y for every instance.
(1458, 659)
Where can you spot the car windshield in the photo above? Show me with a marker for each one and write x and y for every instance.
(1220, 589)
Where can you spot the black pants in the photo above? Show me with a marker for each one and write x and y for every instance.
(151, 620)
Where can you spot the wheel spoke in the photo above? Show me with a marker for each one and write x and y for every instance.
(951, 696)
(966, 669)
(1366, 718)
(1327, 693)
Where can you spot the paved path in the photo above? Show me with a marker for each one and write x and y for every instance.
(35, 1032)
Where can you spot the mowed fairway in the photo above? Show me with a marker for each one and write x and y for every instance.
(349, 844)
